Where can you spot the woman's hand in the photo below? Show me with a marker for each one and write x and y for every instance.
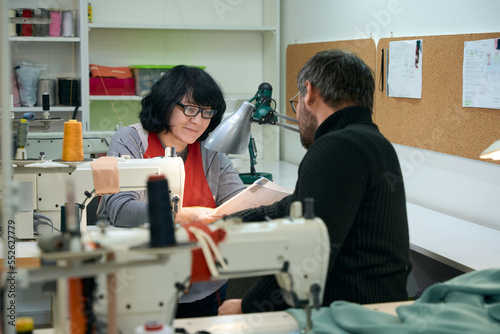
(230, 306)
(195, 214)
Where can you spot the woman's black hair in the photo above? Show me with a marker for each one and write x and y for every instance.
(177, 82)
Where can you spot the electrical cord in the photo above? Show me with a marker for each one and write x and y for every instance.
(40, 216)
(104, 139)
(37, 223)
(214, 248)
(206, 251)
(39, 219)
(208, 247)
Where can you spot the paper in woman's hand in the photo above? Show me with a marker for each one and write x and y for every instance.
(261, 192)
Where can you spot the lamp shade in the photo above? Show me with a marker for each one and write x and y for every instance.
(492, 152)
(233, 134)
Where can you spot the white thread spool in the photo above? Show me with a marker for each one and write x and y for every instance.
(12, 26)
(67, 23)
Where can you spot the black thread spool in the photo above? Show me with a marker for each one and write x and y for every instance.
(63, 219)
(309, 208)
(161, 224)
(45, 101)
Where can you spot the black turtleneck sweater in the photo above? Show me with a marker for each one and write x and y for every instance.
(352, 172)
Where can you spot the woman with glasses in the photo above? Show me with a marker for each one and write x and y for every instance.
(180, 111)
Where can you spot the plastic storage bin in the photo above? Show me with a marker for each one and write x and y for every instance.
(147, 75)
(111, 86)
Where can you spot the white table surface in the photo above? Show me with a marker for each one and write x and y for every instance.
(461, 244)
(255, 323)
(284, 173)
(27, 254)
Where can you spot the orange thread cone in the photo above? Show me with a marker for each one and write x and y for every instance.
(78, 321)
(72, 141)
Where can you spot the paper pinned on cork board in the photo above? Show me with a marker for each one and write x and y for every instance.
(481, 74)
(404, 77)
(261, 192)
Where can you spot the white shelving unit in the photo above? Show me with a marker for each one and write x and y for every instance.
(62, 55)
(237, 42)
(114, 98)
(182, 27)
(44, 39)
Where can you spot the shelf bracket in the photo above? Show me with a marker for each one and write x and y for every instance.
(29, 20)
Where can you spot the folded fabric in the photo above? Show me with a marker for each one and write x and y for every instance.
(105, 174)
(469, 303)
(97, 71)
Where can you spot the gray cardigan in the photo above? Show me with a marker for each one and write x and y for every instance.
(129, 209)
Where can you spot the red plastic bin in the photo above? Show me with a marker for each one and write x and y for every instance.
(113, 86)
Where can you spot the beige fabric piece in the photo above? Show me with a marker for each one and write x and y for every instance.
(105, 174)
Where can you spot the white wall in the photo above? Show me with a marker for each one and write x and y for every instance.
(332, 20)
(463, 190)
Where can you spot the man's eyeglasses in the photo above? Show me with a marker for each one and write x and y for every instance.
(192, 111)
(294, 103)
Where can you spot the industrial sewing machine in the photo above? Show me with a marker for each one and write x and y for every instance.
(140, 284)
(137, 283)
(50, 143)
(43, 187)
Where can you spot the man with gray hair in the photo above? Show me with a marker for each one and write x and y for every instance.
(353, 174)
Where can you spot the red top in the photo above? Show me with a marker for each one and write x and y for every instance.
(196, 189)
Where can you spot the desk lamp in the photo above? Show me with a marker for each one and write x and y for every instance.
(233, 134)
(492, 152)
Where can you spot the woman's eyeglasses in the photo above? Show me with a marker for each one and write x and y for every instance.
(192, 111)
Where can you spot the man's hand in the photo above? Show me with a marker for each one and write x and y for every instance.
(195, 214)
(230, 306)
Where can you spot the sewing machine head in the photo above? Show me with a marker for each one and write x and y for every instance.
(43, 185)
(296, 250)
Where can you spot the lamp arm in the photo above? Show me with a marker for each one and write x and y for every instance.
(288, 127)
(288, 118)
(270, 119)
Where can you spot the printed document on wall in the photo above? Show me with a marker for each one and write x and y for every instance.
(481, 74)
(404, 78)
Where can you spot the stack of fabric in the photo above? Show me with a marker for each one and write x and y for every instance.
(469, 303)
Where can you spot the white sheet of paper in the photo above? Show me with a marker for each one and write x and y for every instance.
(261, 192)
(481, 74)
(404, 77)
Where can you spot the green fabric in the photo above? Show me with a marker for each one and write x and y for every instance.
(469, 303)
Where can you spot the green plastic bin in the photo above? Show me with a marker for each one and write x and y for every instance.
(147, 75)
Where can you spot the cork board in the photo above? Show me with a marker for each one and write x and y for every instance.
(298, 54)
(437, 121)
